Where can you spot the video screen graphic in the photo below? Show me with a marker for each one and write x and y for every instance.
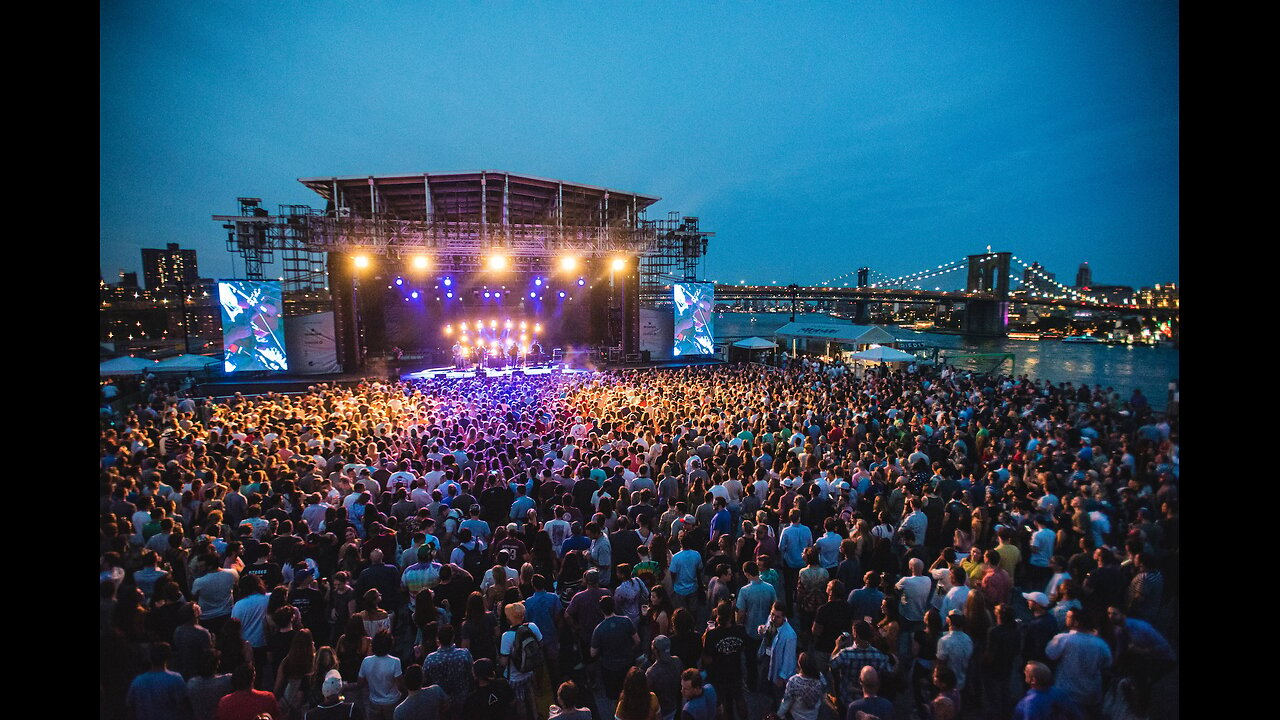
(694, 303)
(252, 338)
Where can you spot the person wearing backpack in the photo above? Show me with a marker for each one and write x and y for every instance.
(470, 554)
(521, 655)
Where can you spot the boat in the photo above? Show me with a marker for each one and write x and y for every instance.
(1024, 336)
(1084, 339)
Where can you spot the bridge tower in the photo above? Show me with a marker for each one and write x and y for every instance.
(988, 273)
(862, 309)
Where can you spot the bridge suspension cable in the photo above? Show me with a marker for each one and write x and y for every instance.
(916, 277)
(1067, 293)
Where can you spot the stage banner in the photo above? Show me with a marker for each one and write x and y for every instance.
(655, 333)
(312, 350)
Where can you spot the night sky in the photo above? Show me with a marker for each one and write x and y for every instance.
(812, 138)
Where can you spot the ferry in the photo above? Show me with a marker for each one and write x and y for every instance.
(1084, 339)
(1024, 336)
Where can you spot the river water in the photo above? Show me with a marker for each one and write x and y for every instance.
(1118, 366)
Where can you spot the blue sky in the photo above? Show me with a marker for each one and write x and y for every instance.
(812, 138)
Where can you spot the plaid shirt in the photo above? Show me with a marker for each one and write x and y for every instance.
(847, 665)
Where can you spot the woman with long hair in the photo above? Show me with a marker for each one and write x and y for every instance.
(352, 648)
(890, 625)
(659, 612)
(295, 674)
(373, 617)
(686, 643)
(233, 649)
(636, 702)
(326, 660)
(545, 562)
(479, 631)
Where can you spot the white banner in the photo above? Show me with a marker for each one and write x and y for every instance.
(312, 349)
(656, 331)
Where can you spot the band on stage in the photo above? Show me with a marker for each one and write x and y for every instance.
(487, 356)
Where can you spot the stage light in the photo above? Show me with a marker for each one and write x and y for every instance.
(508, 324)
(361, 261)
(448, 329)
(488, 294)
(414, 294)
(399, 281)
(420, 262)
(523, 325)
(561, 293)
(581, 282)
(449, 294)
(493, 324)
(497, 294)
(537, 327)
(448, 282)
(619, 264)
(498, 262)
(568, 263)
(537, 282)
(533, 295)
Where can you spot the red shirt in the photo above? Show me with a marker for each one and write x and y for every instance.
(247, 705)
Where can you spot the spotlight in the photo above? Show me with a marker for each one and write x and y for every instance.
(361, 261)
(420, 262)
(561, 294)
(508, 323)
(448, 282)
(449, 294)
(581, 282)
(533, 294)
(488, 294)
(414, 294)
(498, 262)
(537, 281)
(497, 294)
(399, 281)
(619, 264)
(448, 329)
(537, 327)
(568, 263)
(493, 323)
(523, 324)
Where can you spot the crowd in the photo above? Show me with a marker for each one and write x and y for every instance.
(729, 541)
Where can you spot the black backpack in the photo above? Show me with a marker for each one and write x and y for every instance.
(527, 654)
(473, 561)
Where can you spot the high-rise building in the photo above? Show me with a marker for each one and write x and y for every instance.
(1084, 276)
(170, 267)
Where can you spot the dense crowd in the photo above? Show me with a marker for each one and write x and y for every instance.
(726, 541)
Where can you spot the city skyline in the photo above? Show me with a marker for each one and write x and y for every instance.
(894, 139)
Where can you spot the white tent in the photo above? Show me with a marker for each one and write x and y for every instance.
(883, 354)
(125, 365)
(755, 343)
(186, 363)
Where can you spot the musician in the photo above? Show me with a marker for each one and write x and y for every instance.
(535, 351)
(459, 357)
(514, 354)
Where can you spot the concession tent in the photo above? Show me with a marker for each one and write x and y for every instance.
(827, 335)
(187, 363)
(125, 365)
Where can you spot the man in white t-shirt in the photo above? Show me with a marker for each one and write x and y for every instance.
(521, 681)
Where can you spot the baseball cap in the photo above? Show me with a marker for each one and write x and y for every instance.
(1038, 598)
(332, 686)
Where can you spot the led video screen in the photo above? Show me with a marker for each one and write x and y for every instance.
(694, 303)
(252, 337)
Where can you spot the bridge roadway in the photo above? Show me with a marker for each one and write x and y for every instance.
(782, 293)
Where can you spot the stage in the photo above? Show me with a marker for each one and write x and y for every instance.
(491, 373)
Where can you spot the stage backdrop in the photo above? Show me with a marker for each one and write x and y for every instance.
(694, 332)
(251, 335)
(312, 350)
(655, 333)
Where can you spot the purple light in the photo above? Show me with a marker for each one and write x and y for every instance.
(488, 294)
(533, 294)
(497, 294)
(537, 281)
(561, 294)
(581, 282)
(399, 281)
(414, 294)
(448, 282)
(449, 294)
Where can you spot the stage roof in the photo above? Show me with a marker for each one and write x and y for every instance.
(456, 197)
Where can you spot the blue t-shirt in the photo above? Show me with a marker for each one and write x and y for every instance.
(702, 707)
(722, 523)
(540, 609)
(1051, 704)
(684, 571)
(877, 706)
(158, 696)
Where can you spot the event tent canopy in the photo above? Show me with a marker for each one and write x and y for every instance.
(884, 354)
(186, 363)
(125, 365)
(755, 343)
